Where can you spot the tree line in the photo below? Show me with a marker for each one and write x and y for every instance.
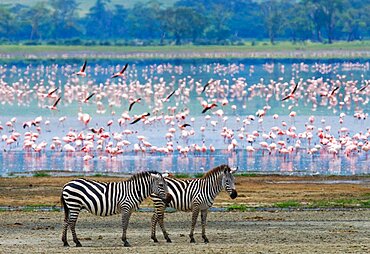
(199, 22)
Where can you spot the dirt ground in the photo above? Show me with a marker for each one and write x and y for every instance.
(329, 230)
(228, 232)
(253, 191)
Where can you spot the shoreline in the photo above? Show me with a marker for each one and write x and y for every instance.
(287, 51)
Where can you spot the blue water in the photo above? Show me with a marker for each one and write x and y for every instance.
(21, 79)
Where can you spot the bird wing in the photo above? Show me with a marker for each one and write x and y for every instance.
(89, 97)
(295, 88)
(136, 120)
(206, 85)
(124, 68)
(132, 104)
(286, 97)
(169, 96)
(205, 110)
(335, 89)
(363, 88)
(83, 66)
(55, 103)
(50, 93)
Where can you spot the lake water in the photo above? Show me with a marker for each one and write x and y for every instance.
(242, 88)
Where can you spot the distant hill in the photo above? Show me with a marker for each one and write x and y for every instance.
(86, 4)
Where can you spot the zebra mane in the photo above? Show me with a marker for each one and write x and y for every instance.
(142, 174)
(215, 170)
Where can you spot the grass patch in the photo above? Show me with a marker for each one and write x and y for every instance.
(41, 174)
(182, 175)
(247, 174)
(287, 204)
(365, 203)
(237, 207)
(198, 175)
(98, 175)
(349, 203)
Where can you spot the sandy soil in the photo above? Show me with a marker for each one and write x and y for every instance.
(275, 231)
(228, 232)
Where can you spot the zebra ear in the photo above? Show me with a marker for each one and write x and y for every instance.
(233, 170)
(157, 176)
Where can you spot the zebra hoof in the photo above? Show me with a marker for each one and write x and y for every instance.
(126, 244)
(169, 240)
(66, 244)
(192, 240)
(206, 240)
(78, 244)
(154, 239)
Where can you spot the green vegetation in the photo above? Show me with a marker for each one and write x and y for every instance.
(237, 207)
(341, 203)
(182, 175)
(287, 204)
(99, 175)
(279, 50)
(247, 174)
(185, 175)
(41, 174)
(198, 175)
(168, 22)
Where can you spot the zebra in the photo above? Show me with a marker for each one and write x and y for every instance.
(105, 199)
(194, 195)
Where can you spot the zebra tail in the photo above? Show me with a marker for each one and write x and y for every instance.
(66, 209)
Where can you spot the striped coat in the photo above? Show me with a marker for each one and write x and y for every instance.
(196, 195)
(105, 199)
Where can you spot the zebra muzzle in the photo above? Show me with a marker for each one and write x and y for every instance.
(233, 194)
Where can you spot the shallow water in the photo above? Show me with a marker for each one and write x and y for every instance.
(301, 163)
(21, 79)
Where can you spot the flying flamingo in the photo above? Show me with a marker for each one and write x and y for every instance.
(208, 107)
(120, 74)
(88, 98)
(54, 106)
(82, 72)
(291, 95)
(141, 117)
(133, 102)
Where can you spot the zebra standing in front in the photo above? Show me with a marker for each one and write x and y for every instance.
(104, 199)
(194, 195)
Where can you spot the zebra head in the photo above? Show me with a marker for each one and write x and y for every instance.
(159, 187)
(228, 181)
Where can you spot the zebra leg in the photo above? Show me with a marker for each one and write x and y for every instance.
(125, 219)
(160, 218)
(203, 215)
(65, 228)
(154, 226)
(193, 223)
(72, 224)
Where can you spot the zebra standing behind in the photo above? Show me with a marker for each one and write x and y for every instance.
(105, 199)
(194, 195)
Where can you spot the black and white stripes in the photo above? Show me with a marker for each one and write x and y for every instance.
(105, 199)
(194, 195)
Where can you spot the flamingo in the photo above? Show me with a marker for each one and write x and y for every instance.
(120, 74)
(82, 72)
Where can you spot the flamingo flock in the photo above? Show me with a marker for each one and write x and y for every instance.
(165, 109)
